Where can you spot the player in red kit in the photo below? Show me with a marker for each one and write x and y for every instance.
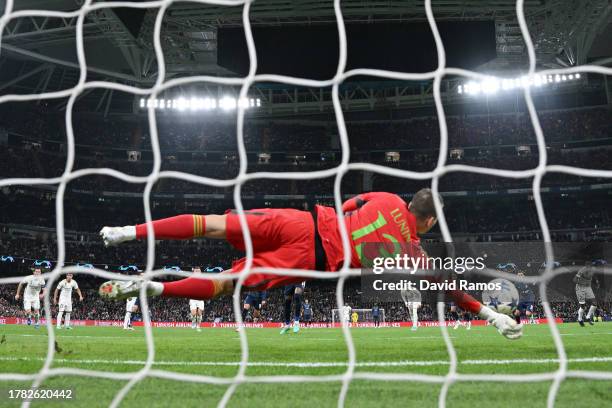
(294, 239)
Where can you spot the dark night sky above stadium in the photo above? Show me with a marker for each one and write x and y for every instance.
(312, 51)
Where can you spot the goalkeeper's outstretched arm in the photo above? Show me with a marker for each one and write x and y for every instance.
(186, 226)
(505, 324)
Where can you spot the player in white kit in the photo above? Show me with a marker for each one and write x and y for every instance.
(131, 306)
(412, 300)
(346, 315)
(32, 294)
(196, 307)
(65, 288)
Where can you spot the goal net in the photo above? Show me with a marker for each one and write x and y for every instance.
(555, 377)
(363, 316)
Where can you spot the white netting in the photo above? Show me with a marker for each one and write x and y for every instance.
(161, 84)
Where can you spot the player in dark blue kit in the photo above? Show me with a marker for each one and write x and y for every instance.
(376, 315)
(254, 302)
(293, 295)
(460, 317)
(307, 312)
(527, 301)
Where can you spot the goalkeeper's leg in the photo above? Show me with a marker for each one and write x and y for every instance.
(188, 288)
(281, 238)
(185, 226)
(179, 227)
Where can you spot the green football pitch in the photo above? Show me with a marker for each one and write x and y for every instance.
(312, 352)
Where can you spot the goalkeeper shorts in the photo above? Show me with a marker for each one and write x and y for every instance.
(282, 238)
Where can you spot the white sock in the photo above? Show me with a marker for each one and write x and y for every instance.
(59, 319)
(126, 320)
(155, 288)
(130, 232)
(469, 324)
(591, 311)
(198, 320)
(580, 313)
(37, 318)
(67, 319)
(194, 318)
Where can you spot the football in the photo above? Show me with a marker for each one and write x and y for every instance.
(504, 300)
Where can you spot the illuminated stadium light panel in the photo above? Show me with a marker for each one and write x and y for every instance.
(225, 103)
(493, 85)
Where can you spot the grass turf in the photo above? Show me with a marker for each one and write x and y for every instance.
(385, 350)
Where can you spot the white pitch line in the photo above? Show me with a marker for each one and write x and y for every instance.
(405, 363)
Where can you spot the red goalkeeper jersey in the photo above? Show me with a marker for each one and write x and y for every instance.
(369, 218)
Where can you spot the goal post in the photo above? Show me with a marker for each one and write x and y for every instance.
(364, 315)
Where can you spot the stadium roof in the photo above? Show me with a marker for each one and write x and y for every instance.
(39, 53)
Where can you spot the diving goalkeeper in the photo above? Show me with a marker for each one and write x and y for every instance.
(294, 239)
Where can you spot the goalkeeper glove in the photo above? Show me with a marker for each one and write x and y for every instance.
(506, 326)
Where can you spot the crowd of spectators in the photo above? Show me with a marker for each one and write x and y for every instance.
(31, 163)
(180, 133)
(85, 215)
(322, 298)
(484, 139)
(483, 130)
